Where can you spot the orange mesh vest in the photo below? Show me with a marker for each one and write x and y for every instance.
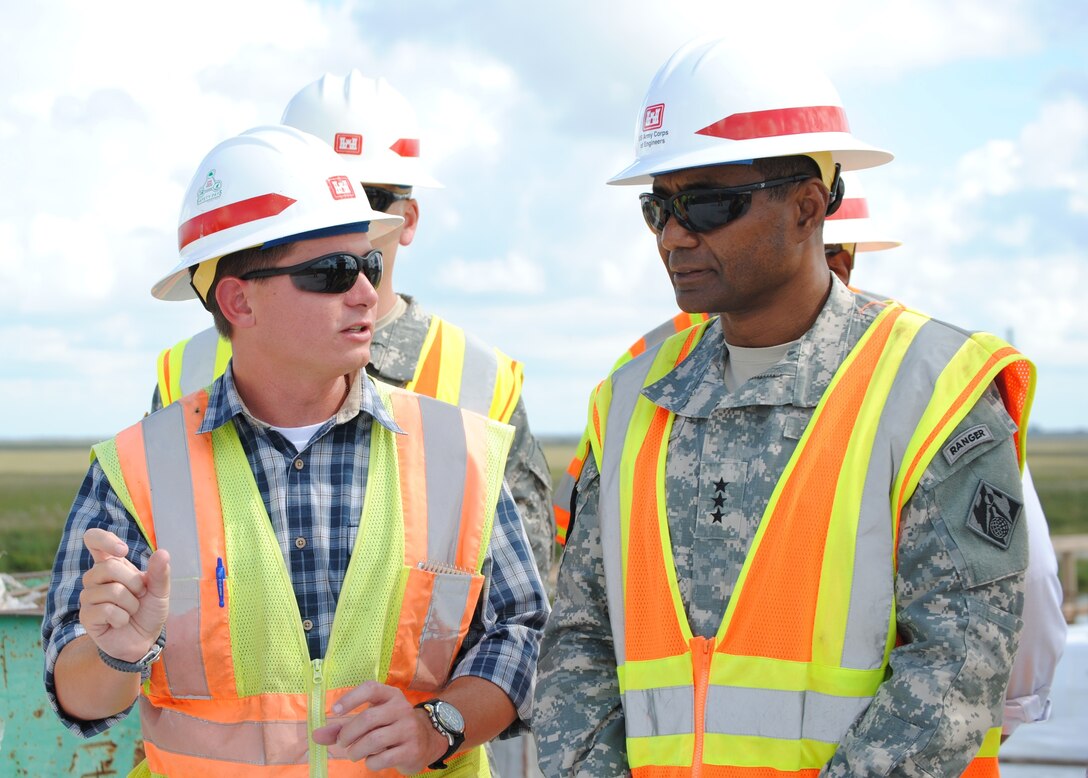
(564, 492)
(797, 658)
(235, 689)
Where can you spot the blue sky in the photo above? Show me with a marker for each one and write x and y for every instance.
(526, 110)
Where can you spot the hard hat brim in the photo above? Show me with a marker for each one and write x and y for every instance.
(845, 149)
(175, 285)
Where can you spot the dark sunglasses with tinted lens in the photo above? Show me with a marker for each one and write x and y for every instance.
(703, 210)
(381, 199)
(328, 274)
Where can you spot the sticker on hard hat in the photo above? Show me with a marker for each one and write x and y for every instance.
(341, 188)
(654, 117)
(348, 143)
(211, 189)
(778, 122)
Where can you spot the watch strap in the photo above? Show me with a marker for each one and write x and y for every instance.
(142, 665)
(455, 738)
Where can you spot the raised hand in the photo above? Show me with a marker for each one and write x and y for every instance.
(123, 608)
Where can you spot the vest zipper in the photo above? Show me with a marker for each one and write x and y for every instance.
(702, 653)
(319, 756)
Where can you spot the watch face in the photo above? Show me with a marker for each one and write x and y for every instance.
(449, 717)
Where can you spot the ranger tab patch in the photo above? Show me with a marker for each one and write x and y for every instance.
(965, 441)
(993, 514)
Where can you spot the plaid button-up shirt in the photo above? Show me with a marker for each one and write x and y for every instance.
(314, 498)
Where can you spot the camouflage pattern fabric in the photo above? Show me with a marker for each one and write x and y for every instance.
(958, 595)
(394, 353)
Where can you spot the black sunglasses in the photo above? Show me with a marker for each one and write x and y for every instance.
(380, 199)
(328, 274)
(703, 210)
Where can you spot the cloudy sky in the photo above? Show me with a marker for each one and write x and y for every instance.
(107, 108)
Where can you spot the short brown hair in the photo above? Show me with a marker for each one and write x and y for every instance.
(236, 265)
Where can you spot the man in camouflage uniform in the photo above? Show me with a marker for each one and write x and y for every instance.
(740, 402)
(371, 124)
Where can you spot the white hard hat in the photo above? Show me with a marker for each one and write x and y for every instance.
(368, 122)
(265, 185)
(714, 102)
(851, 223)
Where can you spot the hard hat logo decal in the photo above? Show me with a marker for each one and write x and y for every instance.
(782, 121)
(210, 190)
(341, 188)
(652, 134)
(348, 143)
(654, 117)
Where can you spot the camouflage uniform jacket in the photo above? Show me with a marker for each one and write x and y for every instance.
(958, 596)
(394, 353)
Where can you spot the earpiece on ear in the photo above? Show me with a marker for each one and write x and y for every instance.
(838, 191)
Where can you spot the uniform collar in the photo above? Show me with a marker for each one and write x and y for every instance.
(224, 404)
(696, 387)
(395, 350)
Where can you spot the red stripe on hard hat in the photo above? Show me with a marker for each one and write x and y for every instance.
(781, 121)
(232, 215)
(856, 208)
(407, 147)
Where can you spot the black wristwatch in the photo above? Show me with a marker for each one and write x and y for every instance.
(142, 665)
(450, 724)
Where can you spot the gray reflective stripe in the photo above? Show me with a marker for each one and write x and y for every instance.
(733, 710)
(245, 742)
(444, 442)
(662, 331)
(664, 711)
(872, 594)
(626, 387)
(198, 361)
(438, 639)
(564, 492)
(166, 449)
(478, 374)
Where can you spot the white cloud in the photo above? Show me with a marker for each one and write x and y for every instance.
(514, 273)
(526, 110)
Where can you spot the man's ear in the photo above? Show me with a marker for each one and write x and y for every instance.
(411, 219)
(811, 198)
(231, 296)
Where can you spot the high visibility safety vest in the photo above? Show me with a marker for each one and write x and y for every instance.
(564, 491)
(796, 659)
(235, 688)
(452, 367)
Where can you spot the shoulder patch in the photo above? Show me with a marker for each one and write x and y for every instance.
(993, 514)
(965, 441)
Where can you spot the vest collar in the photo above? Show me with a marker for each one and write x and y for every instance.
(696, 387)
(224, 404)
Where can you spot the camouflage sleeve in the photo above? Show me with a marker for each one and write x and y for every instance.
(959, 594)
(530, 481)
(578, 721)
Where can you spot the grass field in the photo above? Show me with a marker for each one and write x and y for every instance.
(38, 483)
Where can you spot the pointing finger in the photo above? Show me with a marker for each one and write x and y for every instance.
(103, 544)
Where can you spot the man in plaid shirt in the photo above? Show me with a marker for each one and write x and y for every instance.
(313, 431)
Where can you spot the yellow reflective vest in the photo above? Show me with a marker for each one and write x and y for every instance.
(796, 659)
(235, 692)
(452, 367)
